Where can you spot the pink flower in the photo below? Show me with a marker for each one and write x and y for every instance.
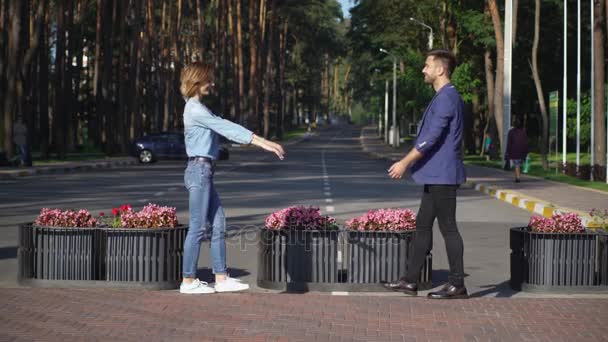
(301, 218)
(558, 223)
(65, 218)
(384, 220)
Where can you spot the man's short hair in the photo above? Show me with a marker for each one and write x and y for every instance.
(446, 57)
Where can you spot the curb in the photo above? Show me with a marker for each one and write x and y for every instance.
(45, 170)
(533, 205)
(514, 198)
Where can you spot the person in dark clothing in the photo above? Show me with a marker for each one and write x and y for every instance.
(517, 147)
(436, 163)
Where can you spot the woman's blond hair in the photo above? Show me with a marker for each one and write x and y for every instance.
(194, 76)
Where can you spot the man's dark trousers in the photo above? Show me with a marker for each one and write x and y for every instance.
(438, 201)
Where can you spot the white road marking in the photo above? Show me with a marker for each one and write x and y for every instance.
(329, 209)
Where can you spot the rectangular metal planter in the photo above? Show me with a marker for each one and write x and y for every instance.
(603, 257)
(376, 257)
(55, 253)
(555, 261)
(297, 259)
(100, 257)
(152, 256)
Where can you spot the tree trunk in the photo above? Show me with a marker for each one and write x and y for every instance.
(269, 68)
(122, 78)
(166, 33)
(106, 76)
(223, 51)
(253, 102)
(26, 98)
(133, 110)
(3, 56)
(59, 111)
(499, 86)
(68, 93)
(43, 103)
(240, 101)
(539, 88)
(79, 50)
(281, 80)
(261, 66)
(173, 81)
(95, 119)
(514, 21)
(201, 30)
(13, 58)
(231, 43)
(600, 84)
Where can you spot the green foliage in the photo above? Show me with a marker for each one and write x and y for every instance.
(316, 37)
(415, 94)
(359, 114)
(476, 28)
(585, 135)
(467, 82)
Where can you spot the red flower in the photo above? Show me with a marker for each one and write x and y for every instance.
(101, 214)
(125, 207)
(115, 211)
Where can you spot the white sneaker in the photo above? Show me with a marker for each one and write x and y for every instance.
(196, 287)
(230, 285)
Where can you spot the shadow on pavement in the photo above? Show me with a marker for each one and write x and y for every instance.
(502, 290)
(206, 274)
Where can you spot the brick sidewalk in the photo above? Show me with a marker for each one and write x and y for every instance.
(122, 315)
(534, 194)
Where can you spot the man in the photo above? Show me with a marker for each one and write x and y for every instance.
(436, 162)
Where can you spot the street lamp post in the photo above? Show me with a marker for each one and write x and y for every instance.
(428, 27)
(386, 111)
(394, 133)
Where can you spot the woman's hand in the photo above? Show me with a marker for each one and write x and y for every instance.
(269, 146)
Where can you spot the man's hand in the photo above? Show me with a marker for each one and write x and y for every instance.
(398, 169)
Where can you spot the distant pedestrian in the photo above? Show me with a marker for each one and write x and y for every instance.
(436, 163)
(20, 139)
(517, 147)
(487, 145)
(202, 129)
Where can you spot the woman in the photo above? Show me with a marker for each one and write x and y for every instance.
(517, 147)
(202, 129)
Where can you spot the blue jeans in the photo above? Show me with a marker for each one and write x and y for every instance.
(205, 212)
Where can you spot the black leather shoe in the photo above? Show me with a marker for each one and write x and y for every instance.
(449, 292)
(403, 286)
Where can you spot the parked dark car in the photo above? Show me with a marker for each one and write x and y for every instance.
(153, 147)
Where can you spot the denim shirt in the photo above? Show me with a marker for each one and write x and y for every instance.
(201, 129)
(440, 140)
